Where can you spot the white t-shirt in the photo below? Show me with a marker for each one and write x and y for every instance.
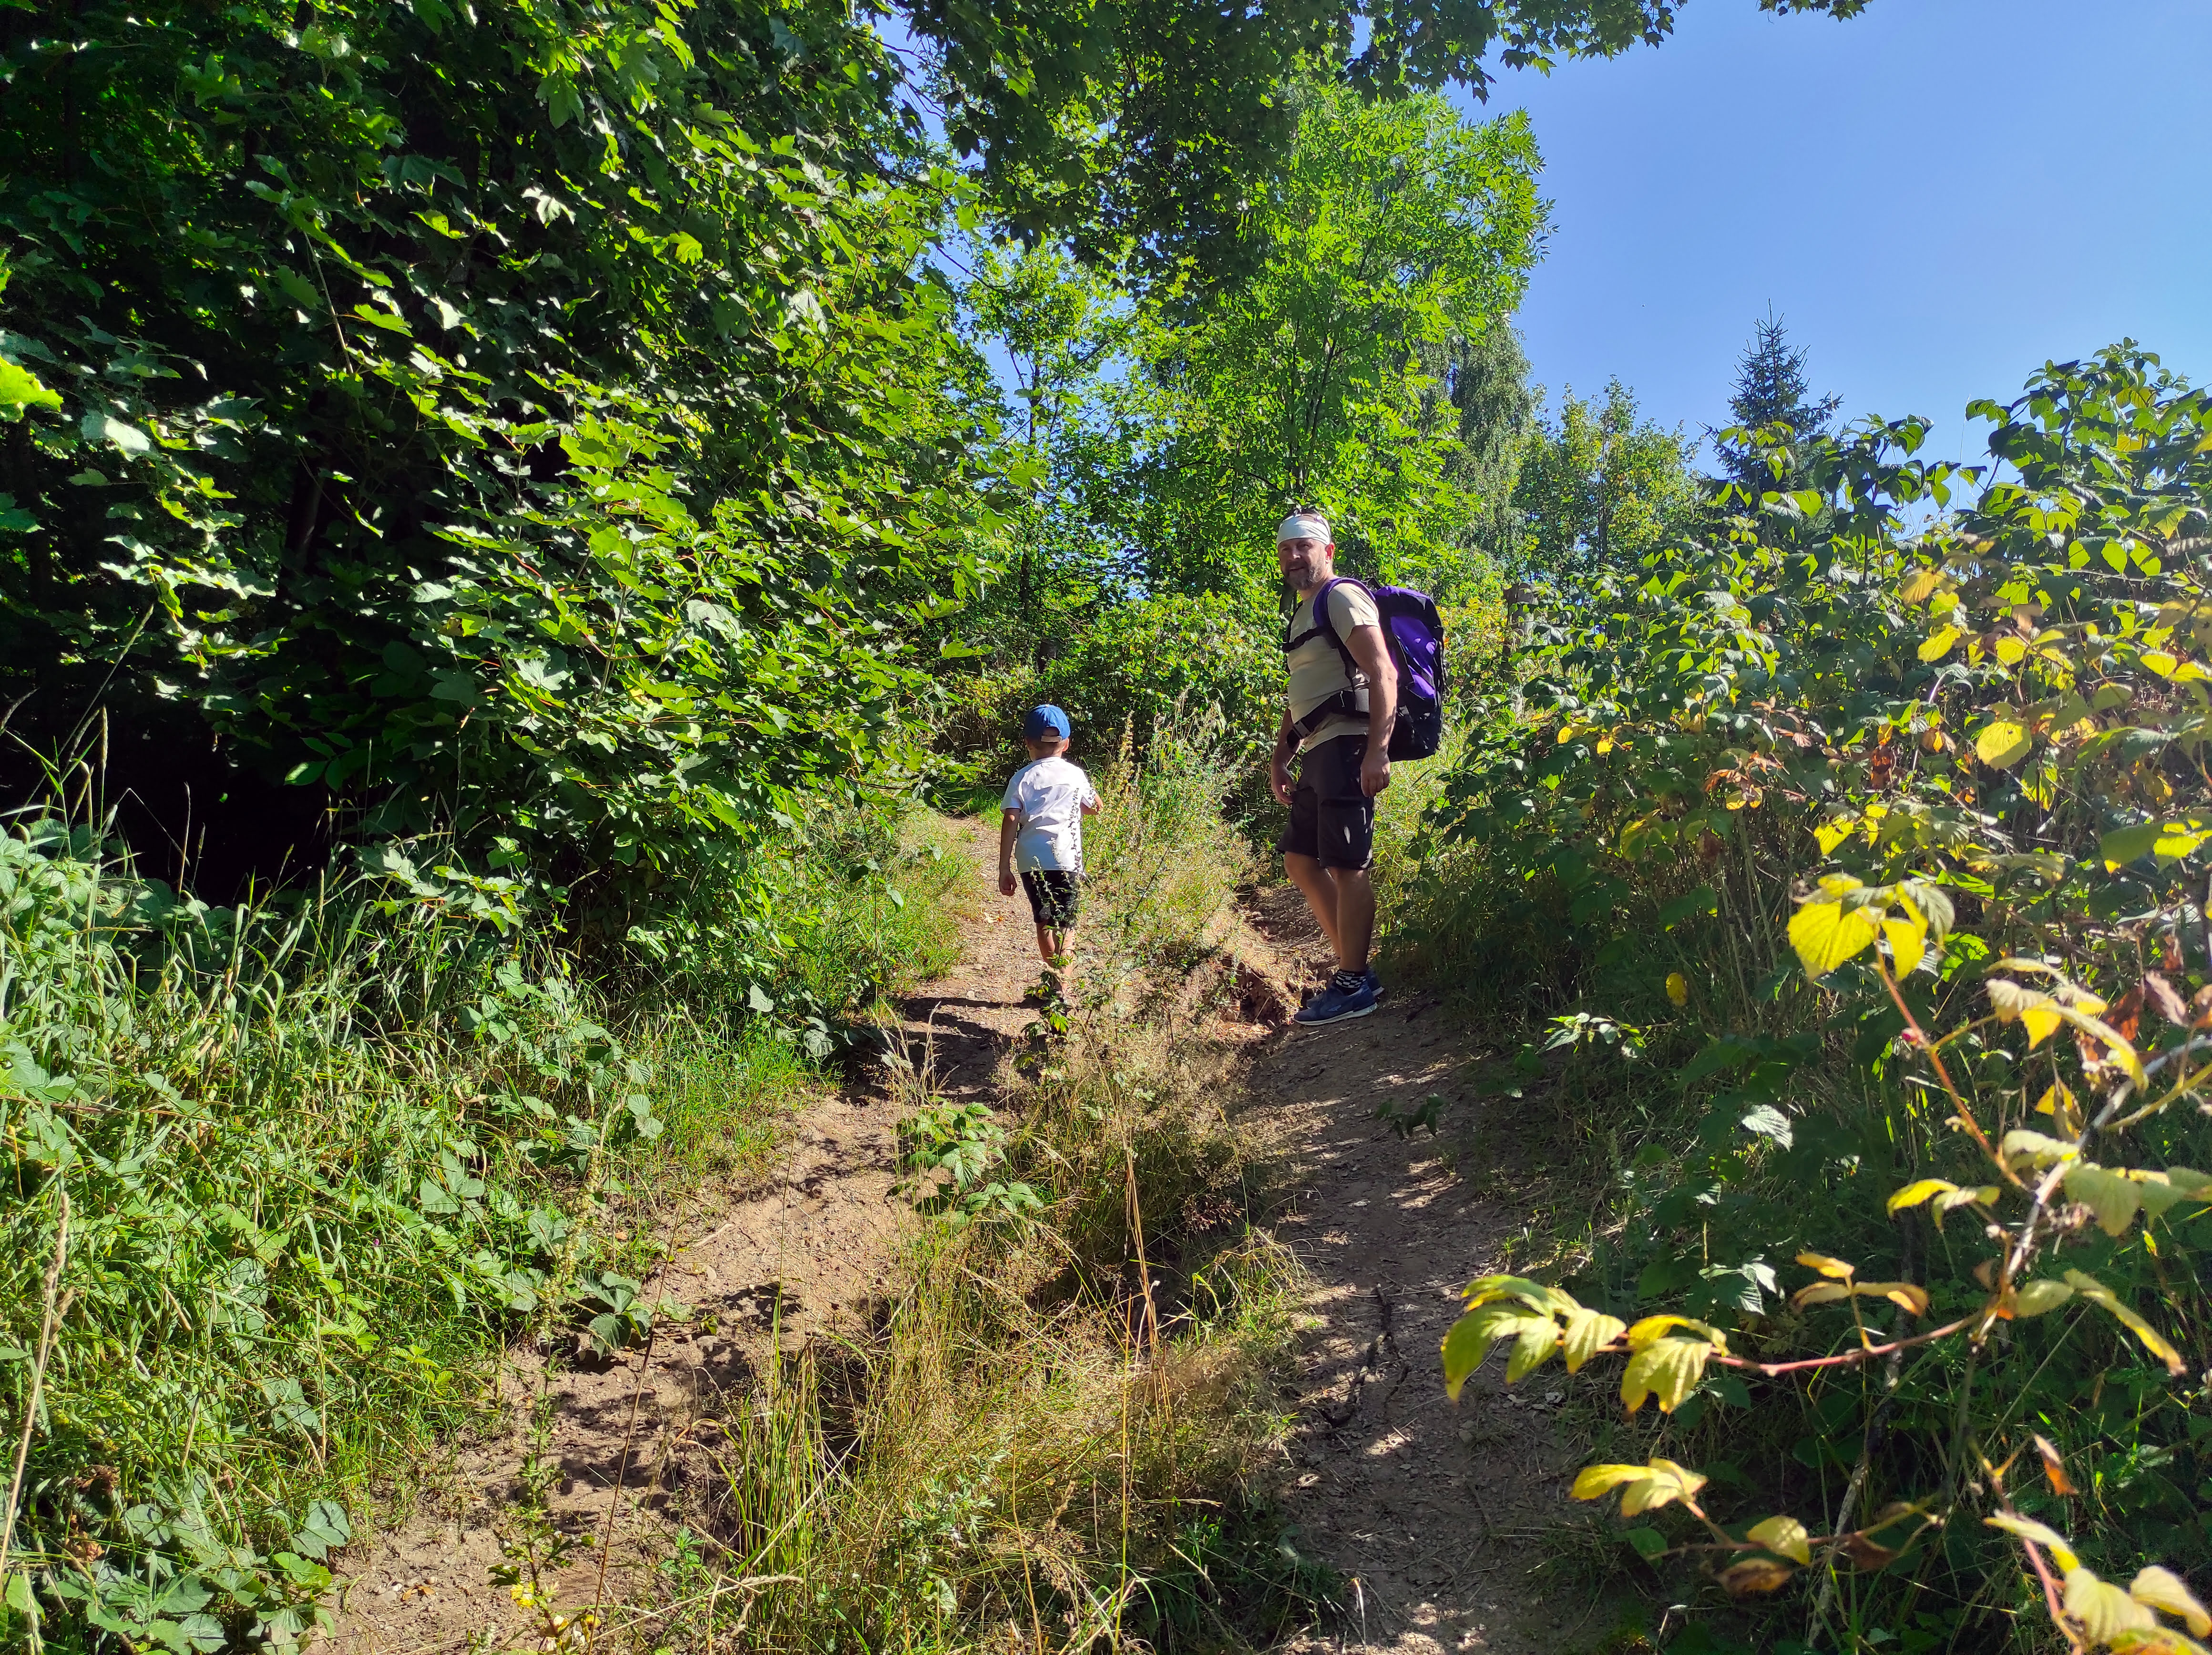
(1049, 795)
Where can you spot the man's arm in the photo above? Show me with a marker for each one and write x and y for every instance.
(1278, 764)
(1373, 656)
(1009, 824)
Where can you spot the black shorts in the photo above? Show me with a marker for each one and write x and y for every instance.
(1054, 895)
(1331, 819)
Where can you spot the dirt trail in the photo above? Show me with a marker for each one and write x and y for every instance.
(1430, 1508)
(791, 1256)
(1425, 1506)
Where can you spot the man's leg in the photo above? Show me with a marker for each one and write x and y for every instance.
(1320, 892)
(1355, 917)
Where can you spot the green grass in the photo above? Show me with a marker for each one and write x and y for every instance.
(322, 1162)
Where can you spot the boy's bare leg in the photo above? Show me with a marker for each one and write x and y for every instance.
(1053, 948)
(1320, 892)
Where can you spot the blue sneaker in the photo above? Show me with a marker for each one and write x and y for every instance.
(1333, 1005)
(1374, 982)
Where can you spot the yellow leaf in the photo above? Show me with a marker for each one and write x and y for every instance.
(1826, 1266)
(1677, 988)
(2039, 1013)
(1594, 1481)
(1784, 1535)
(2163, 1589)
(2102, 1296)
(1826, 934)
(1485, 1289)
(1917, 1191)
(2039, 1298)
(1834, 831)
(2058, 1102)
(1908, 942)
(1986, 1196)
(2022, 1148)
(2002, 743)
(1917, 587)
(2114, 1196)
(1644, 1488)
(2009, 651)
(1589, 1332)
(1939, 643)
(1654, 1327)
(1666, 1369)
(2102, 1610)
(2028, 1528)
(2161, 1640)
(1820, 1293)
(1905, 1295)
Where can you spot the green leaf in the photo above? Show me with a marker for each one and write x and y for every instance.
(102, 427)
(20, 389)
(1648, 1544)
(2125, 845)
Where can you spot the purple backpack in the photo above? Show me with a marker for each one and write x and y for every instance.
(1416, 635)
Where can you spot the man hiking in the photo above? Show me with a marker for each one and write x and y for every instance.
(1333, 705)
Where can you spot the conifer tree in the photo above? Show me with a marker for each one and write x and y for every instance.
(1771, 389)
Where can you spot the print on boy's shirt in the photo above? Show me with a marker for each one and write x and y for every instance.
(1049, 796)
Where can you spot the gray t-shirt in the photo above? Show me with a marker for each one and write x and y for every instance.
(1317, 671)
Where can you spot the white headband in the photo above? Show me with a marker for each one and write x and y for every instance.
(1303, 525)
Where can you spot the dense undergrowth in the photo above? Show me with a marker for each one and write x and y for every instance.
(1844, 886)
(308, 1168)
(1051, 1441)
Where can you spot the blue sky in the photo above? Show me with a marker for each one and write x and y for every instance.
(1936, 196)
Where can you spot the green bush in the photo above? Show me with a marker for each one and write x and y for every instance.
(1967, 759)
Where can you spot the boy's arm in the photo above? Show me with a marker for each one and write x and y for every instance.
(1009, 824)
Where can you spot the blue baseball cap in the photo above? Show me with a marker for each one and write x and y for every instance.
(1044, 721)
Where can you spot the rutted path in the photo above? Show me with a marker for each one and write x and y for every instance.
(1427, 1509)
(795, 1256)
(1431, 1511)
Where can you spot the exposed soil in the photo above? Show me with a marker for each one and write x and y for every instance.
(1430, 1509)
(1427, 1509)
(794, 1257)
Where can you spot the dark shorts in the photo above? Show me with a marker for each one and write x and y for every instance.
(1055, 896)
(1332, 820)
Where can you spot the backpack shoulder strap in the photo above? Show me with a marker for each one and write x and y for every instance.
(1323, 626)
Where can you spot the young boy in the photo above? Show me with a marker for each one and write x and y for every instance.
(1040, 831)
